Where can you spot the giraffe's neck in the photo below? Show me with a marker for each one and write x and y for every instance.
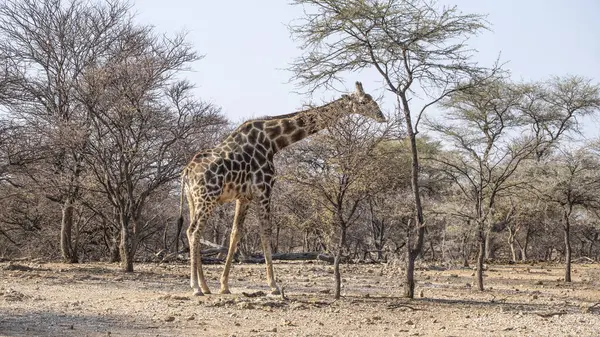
(297, 126)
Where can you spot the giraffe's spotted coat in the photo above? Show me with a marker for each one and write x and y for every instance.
(241, 168)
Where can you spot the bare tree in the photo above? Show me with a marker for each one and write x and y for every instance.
(143, 124)
(45, 48)
(417, 48)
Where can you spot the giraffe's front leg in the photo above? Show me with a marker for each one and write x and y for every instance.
(265, 238)
(241, 208)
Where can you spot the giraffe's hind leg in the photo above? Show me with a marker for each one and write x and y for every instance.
(241, 208)
(194, 233)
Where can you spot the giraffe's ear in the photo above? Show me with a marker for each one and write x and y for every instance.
(359, 89)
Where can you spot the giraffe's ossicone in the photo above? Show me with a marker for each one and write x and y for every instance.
(241, 168)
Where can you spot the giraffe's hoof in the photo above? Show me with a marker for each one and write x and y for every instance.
(198, 293)
(276, 291)
(224, 291)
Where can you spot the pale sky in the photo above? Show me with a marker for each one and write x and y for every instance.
(247, 47)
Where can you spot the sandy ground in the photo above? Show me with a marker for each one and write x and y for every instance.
(49, 299)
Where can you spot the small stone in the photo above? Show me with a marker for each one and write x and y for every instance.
(409, 322)
(535, 297)
(169, 319)
(287, 323)
(191, 318)
(245, 305)
(297, 306)
(272, 330)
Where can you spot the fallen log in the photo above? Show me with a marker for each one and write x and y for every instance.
(303, 256)
(218, 247)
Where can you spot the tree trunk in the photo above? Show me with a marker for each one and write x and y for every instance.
(567, 251)
(523, 248)
(337, 275)
(480, 259)
(69, 253)
(489, 253)
(128, 244)
(511, 243)
(412, 252)
(125, 250)
(336, 259)
(409, 285)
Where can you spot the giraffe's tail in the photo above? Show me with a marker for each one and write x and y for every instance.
(180, 219)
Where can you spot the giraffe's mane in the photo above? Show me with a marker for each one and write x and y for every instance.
(267, 118)
(289, 115)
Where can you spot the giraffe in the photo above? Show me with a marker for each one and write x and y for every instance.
(241, 168)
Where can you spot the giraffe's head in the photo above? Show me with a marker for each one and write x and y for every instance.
(363, 104)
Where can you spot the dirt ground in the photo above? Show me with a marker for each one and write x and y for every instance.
(50, 299)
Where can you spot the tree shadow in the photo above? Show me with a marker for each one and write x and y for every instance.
(52, 323)
(495, 304)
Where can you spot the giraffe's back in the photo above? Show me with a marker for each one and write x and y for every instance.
(237, 166)
(220, 176)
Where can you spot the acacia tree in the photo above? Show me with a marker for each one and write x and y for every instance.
(480, 126)
(555, 106)
(340, 170)
(570, 181)
(144, 125)
(416, 47)
(45, 48)
(494, 129)
(523, 224)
